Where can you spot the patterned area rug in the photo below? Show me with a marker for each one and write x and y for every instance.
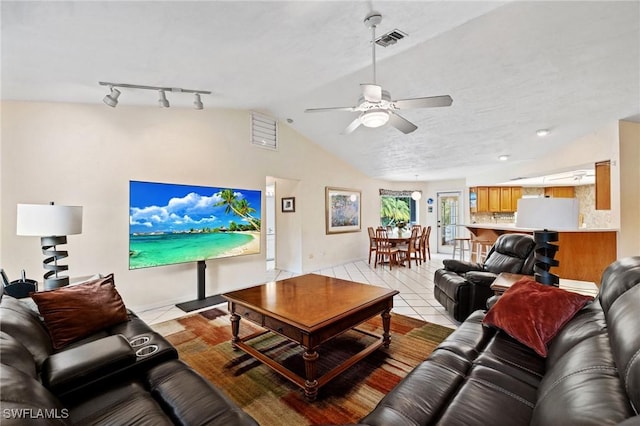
(203, 342)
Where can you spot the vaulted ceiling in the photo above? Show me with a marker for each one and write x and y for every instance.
(511, 68)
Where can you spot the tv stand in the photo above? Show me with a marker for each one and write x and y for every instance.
(201, 301)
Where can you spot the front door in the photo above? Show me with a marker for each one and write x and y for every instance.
(450, 219)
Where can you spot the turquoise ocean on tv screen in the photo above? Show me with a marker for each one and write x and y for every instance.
(154, 250)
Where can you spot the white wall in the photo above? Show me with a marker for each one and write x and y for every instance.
(79, 154)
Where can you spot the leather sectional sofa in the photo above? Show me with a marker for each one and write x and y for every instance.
(124, 374)
(482, 376)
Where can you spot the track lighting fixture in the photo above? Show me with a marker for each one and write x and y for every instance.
(162, 100)
(111, 99)
(197, 102)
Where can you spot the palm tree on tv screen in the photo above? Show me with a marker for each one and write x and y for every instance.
(240, 207)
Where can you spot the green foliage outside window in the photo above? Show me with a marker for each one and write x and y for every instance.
(394, 210)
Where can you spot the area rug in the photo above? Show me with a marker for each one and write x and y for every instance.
(203, 342)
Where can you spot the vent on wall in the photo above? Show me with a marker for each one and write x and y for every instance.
(392, 37)
(264, 131)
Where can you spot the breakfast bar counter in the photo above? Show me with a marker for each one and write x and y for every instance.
(583, 253)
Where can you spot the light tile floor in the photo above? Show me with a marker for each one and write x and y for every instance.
(415, 285)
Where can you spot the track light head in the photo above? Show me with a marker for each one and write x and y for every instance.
(162, 101)
(197, 102)
(112, 98)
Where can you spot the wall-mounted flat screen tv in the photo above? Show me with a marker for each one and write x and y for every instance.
(170, 223)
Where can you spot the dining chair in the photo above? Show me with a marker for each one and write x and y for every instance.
(424, 244)
(384, 248)
(372, 242)
(409, 251)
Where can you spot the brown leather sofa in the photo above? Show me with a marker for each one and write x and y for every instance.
(123, 375)
(463, 287)
(480, 376)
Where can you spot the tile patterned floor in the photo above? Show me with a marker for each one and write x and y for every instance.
(415, 285)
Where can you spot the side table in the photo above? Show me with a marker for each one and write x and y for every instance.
(506, 280)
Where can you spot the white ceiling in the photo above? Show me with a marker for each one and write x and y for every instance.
(510, 67)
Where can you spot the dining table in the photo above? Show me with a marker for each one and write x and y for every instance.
(396, 237)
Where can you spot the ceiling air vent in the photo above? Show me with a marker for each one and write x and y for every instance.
(264, 131)
(392, 37)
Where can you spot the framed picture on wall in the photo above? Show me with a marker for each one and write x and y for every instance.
(343, 210)
(288, 204)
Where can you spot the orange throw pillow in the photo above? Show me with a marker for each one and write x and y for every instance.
(74, 312)
(533, 313)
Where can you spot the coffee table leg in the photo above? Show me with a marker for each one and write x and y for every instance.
(235, 329)
(311, 384)
(386, 323)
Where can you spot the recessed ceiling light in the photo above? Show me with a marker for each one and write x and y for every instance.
(542, 132)
(503, 158)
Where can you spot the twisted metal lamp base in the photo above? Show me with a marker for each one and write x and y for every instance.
(50, 263)
(544, 252)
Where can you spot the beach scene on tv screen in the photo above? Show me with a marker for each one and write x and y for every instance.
(172, 223)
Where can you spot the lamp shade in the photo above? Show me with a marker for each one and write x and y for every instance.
(43, 220)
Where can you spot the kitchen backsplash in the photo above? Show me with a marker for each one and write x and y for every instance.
(586, 195)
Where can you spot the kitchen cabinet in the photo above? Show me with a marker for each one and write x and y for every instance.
(494, 198)
(491, 199)
(479, 199)
(483, 199)
(603, 185)
(516, 194)
(505, 199)
(560, 192)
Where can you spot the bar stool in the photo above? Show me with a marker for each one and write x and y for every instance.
(461, 244)
(481, 249)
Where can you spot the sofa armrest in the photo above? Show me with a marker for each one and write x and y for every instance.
(484, 279)
(81, 365)
(492, 301)
(461, 266)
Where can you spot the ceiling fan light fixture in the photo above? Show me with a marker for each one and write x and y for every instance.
(374, 118)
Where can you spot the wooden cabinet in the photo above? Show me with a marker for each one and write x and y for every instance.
(603, 185)
(505, 199)
(483, 199)
(479, 199)
(516, 194)
(490, 199)
(494, 198)
(560, 192)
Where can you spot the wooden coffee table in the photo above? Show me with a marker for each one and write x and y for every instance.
(309, 310)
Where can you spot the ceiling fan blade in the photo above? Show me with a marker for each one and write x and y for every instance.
(429, 102)
(371, 92)
(351, 127)
(400, 123)
(351, 109)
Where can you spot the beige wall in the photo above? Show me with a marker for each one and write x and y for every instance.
(79, 154)
(629, 243)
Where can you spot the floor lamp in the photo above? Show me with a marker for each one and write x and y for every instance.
(52, 223)
(540, 214)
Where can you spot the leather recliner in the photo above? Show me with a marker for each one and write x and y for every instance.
(463, 287)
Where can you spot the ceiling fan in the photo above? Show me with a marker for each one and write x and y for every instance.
(375, 105)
